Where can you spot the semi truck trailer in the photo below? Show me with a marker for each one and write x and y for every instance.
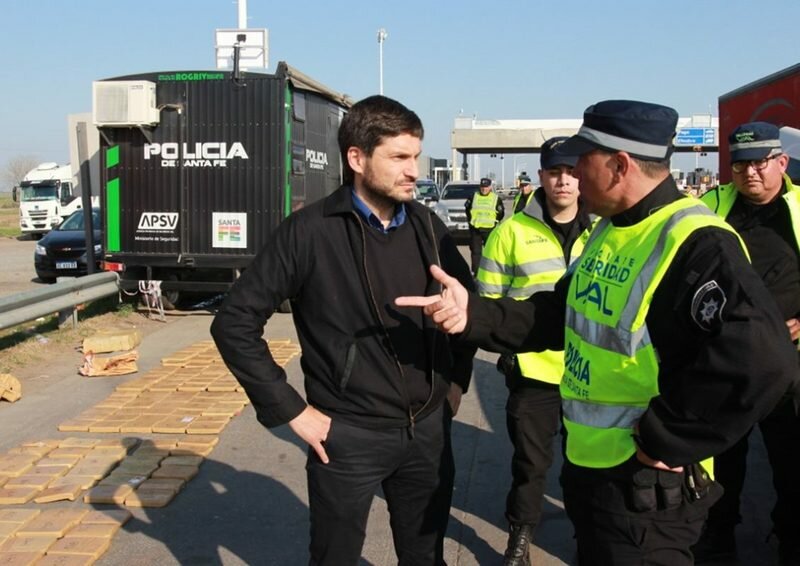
(199, 167)
(774, 99)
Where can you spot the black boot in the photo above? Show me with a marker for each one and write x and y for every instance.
(716, 544)
(519, 540)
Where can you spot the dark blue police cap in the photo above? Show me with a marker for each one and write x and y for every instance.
(552, 156)
(524, 180)
(754, 141)
(486, 182)
(642, 129)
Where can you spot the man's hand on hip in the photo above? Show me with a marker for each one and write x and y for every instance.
(312, 426)
(793, 325)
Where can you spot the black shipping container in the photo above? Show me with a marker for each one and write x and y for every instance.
(190, 201)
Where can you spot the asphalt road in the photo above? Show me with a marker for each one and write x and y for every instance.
(248, 505)
(17, 273)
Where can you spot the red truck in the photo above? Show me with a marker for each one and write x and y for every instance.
(774, 98)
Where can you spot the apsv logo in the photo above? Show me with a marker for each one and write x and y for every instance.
(158, 221)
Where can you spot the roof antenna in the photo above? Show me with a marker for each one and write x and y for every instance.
(237, 74)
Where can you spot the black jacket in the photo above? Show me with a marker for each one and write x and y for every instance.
(716, 380)
(316, 258)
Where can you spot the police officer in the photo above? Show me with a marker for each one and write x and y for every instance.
(764, 207)
(484, 211)
(527, 253)
(524, 195)
(673, 346)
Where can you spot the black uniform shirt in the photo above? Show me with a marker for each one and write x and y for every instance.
(565, 232)
(768, 233)
(721, 370)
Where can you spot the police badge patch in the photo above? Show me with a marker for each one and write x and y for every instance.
(707, 305)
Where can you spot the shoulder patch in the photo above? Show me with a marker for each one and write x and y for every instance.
(707, 305)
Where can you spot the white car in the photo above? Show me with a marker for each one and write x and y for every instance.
(427, 192)
(450, 207)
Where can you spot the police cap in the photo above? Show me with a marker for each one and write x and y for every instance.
(754, 141)
(552, 157)
(642, 129)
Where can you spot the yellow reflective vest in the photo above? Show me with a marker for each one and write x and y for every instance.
(521, 257)
(519, 196)
(483, 213)
(611, 367)
(721, 201)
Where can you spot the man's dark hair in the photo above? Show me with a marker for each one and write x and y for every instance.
(369, 121)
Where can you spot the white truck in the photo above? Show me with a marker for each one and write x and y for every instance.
(46, 196)
(49, 192)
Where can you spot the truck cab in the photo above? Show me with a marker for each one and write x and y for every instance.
(45, 198)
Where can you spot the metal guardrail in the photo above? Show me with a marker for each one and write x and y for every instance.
(61, 298)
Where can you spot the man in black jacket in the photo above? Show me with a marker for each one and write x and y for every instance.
(381, 385)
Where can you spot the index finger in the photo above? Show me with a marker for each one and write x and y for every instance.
(320, 450)
(416, 301)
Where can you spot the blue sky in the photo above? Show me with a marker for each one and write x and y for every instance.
(498, 60)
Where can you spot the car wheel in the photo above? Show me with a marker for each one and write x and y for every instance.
(170, 299)
(45, 278)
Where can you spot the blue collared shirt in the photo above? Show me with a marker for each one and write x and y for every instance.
(397, 220)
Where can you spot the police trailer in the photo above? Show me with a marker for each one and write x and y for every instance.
(199, 168)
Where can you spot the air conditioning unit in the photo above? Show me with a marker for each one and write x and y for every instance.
(124, 104)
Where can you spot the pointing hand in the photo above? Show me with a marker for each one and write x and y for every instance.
(448, 309)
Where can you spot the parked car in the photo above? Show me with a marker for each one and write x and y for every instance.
(427, 191)
(450, 207)
(62, 251)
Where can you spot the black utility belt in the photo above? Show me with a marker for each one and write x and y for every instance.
(652, 489)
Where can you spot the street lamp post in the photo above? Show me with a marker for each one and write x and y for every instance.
(382, 35)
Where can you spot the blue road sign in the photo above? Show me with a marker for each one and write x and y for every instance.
(696, 136)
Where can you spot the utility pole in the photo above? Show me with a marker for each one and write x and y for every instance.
(382, 35)
(242, 5)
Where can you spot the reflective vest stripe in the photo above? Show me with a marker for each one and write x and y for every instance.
(526, 269)
(620, 339)
(528, 290)
(523, 256)
(495, 291)
(602, 416)
(617, 340)
(611, 371)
